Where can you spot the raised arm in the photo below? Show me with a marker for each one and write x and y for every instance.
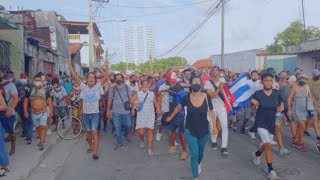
(73, 73)
(106, 72)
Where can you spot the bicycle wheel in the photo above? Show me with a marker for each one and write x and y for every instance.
(69, 127)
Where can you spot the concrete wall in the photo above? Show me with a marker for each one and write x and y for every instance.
(239, 61)
(16, 38)
(306, 61)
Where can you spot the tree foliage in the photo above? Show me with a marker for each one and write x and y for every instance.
(293, 35)
(156, 65)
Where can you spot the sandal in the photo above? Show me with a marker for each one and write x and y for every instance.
(89, 151)
(95, 156)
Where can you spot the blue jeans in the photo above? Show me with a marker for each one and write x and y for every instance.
(91, 121)
(121, 122)
(4, 159)
(27, 123)
(196, 149)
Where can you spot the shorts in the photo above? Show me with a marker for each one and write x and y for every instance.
(265, 136)
(177, 123)
(8, 123)
(90, 121)
(163, 119)
(59, 111)
(247, 112)
(75, 112)
(39, 119)
(312, 114)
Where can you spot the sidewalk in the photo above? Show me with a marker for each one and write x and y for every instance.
(28, 156)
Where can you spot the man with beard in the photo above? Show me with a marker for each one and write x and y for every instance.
(185, 83)
(90, 95)
(10, 94)
(314, 85)
(214, 89)
(38, 99)
(27, 125)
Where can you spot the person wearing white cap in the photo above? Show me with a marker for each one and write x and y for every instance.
(314, 115)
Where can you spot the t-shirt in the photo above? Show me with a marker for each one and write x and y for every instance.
(176, 94)
(118, 104)
(165, 98)
(67, 86)
(266, 112)
(10, 89)
(315, 89)
(58, 94)
(90, 97)
(196, 120)
(217, 102)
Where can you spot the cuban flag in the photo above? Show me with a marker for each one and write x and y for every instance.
(238, 94)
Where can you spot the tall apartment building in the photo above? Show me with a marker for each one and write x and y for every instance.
(139, 43)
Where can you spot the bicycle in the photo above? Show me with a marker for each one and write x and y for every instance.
(69, 127)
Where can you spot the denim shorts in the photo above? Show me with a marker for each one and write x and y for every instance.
(39, 119)
(8, 123)
(177, 123)
(90, 121)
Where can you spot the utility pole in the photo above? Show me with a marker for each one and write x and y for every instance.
(304, 21)
(91, 49)
(222, 33)
(91, 38)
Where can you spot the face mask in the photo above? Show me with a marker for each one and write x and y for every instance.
(301, 83)
(254, 80)
(188, 77)
(316, 78)
(145, 89)
(195, 87)
(283, 78)
(38, 83)
(23, 81)
(119, 82)
(10, 80)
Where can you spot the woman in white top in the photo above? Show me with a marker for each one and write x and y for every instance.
(146, 115)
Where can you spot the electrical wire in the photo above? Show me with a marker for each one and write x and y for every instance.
(159, 7)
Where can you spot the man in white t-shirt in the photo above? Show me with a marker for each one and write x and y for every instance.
(213, 88)
(163, 98)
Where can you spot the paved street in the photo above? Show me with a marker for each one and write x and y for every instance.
(131, 163)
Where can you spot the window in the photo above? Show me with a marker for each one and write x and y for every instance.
(317, 63)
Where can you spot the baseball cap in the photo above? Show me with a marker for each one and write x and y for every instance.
(172, 76)
(216, 67)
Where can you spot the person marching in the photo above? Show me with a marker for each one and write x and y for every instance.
(146, 115)
(198, 105)
(269, 102)
(38, 99)
(90, 95)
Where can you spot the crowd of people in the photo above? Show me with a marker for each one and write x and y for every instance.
(190, 104)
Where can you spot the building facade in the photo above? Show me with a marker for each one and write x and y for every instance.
(139, 43)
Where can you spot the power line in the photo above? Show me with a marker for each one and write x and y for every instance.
(213, 11)
(160, 7)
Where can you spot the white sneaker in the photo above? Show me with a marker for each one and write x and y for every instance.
(141, 145)
(176, 144)
(199, 168)
(256, 160)
(158, 136)
(49, 132)
(251, 135)
(272, 175)
(273, 143)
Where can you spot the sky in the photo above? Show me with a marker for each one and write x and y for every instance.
(249, 24)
